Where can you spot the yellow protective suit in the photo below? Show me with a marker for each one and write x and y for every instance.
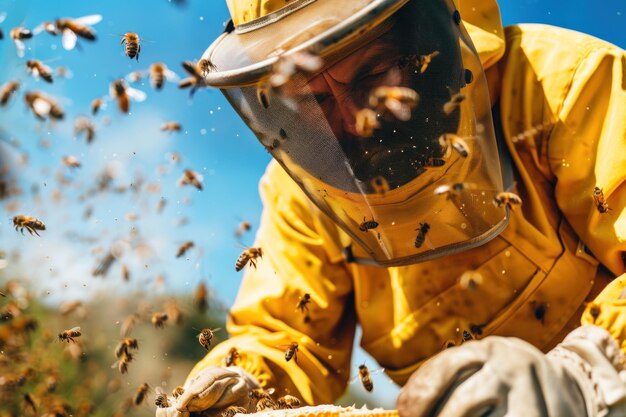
(560, 98)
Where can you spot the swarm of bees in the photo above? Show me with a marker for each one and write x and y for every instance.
(598, 198)
(250, 256)
(31, 224)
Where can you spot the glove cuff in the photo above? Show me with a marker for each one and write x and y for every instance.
(597, 363)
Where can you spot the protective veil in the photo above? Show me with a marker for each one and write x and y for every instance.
(394, 141)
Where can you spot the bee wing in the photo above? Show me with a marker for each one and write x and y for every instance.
(91, 19)
(68, 40)
(354, 379)
(3, 16)
(171, 75)
(19, 45)
(41, 107)
(38, 29)
(399, 110)
(135, 94)
(75, 329)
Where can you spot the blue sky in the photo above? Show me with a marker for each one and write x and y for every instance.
(214, 142)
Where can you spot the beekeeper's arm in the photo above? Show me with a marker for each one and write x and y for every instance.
(264, 321)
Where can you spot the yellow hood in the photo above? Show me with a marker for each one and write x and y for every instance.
(482, 21)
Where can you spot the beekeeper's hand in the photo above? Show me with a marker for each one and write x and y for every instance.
(214, 389)
(499, 376)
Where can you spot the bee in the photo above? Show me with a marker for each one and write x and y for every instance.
(368, 225)
(263, 94)
(190, 177)
(448, 140)
(303, 302)
(366, 378)
(200, 298)
(470, 280)
(96, 104)
(243, 227)
(288, 401)
(52, 382)
(598, 198)
(399, 101)
(160, 398)
(103, 266)
(205, 66)
(38, 69)
(71, 161)
(135, 76)
(171, 127)
(467, 336)
(158, 73)
(435, 162)
(232, 410)
(205, 336)
(19, 34)
(29, 403)
(263, 398)
(539, 310)
(43, 106)
(125, 273)
(292, 352)
(380, 185)
(184, 248)
(249, 255)
(196, 79)
(420, 61)
(69, 335)
(453, 104)
(29, 223)
(7, 91)
(453, 190)
(130, 40)
(366, 121)
(140, 394)
(63, 72)
(232, 357)
(178, 391)
(158, 319)
(122, 94)
(288, 65)
(421, 235)
(507, 199)
(72, 28)
(174, 313)
(124, 346)
(122, 363)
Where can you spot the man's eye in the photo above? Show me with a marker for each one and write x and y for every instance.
(321, 97)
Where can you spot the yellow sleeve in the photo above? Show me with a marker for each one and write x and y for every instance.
(587, 149)
(298, 258)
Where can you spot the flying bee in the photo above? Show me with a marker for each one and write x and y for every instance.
(249, 255)
(421, 235)
(598, 198)
(205, 336)
(69, 335)
(43, 106)
(63, 72)
(453, 190)
(453, 104)
(71, 161)
(124, 346)
(190, 177)
(140, 394)
(470, 280)
(291, 352)
(200, 297)
(263, 89)
(263, 399)
(303, 301)
(435, 162)
(130, 40)
(160, 398)
(448, 140)
(29, 403)
(399, 101)
(232, 410)
(366, 121)
(196, 79)
(158, 319)
(7, 91)
(38, 69)
(184, 248)
(134, 76)
(287, 402)
(243, 228)
(123, 94)
(83, 125)
(71, 29)
(171, 127)
(205, 66)
(288, 65)
(159, 73)
(507, 199)
(19, 34)
(232, 357)
(29, 223)
(96, 104)
(368, 225)
(380, 185)
(419, 61)
(366, 378)
(178, 391)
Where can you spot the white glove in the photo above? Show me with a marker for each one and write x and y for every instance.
(211, 391)
(499, 376)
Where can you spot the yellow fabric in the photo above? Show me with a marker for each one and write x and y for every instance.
(562, 106)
